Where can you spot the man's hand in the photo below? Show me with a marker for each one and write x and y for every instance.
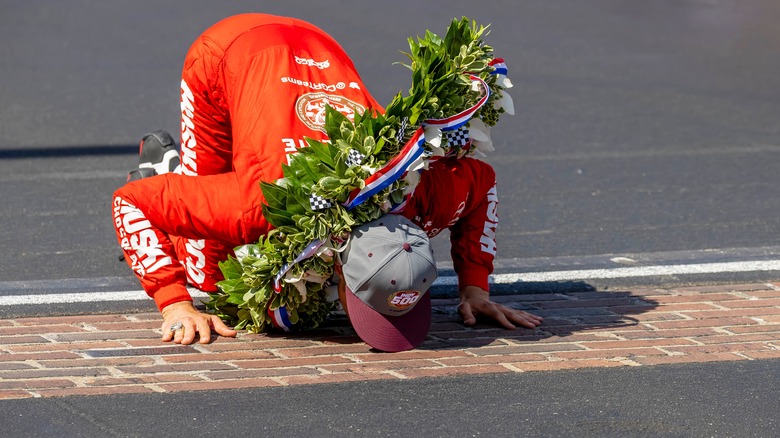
(475, 301)
(192, 321)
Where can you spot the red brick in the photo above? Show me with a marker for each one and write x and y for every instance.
(406, 355)
(764, 354)
(742, 304)
(106, 336)
(600, 324)
(722, 288)
(681, 307)
(671, 333)
(575, 337)
(36, 384)
(603, 294)
(607, 345)
(176, 368)
(255, 345)
(673, 299)
(11, 394)
(39, 330)
(755, 312)
(373, 367)
(607, 354)
(480, 360)
(13, 340)
(607, 302)
(226, 356)
(334, 378)
(76, 319)
(127, 325)
(768, 328)
(99, 361)
(517, 349)
(55, 346)
(152, 342)
(687, 358)
(141, 380)
(454, 371)
(567, 365)
(771, 319)
(280, 363)
(146, 316)
(219, 385)
(41, 355)
(491, 333)
(721, 348)
(713, 322)
(8, 366)
(774, 293)
(95, 390)
(659, 315)
(324, 350)
(259, 372)
(50, 373)
(747, 337)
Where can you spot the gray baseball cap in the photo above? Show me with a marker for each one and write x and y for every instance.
(387, 268)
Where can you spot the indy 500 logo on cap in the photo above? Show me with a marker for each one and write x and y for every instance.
(403, 299)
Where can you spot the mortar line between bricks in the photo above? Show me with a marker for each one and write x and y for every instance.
(155, 388)
(696, 343)
(511, 367)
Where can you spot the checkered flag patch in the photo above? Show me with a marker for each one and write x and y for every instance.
(402, 130)
(318, 202)
(354, 158)
(459, 137)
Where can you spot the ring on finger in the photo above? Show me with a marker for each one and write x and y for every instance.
(176, 326)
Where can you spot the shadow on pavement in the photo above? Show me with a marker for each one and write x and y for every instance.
(67, 151)
(576, 308)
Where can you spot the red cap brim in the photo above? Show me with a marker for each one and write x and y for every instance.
(390, 333)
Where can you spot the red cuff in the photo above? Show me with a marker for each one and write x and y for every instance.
(474, 276)
(172, 293)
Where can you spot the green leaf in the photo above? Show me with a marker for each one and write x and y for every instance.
(277, 217)
(274, 195)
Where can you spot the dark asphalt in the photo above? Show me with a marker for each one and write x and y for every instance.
(641, 126)
(693, 400)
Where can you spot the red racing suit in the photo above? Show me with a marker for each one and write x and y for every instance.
(253, 87)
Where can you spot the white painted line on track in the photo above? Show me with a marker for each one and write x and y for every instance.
(632, 272)
(583, 274)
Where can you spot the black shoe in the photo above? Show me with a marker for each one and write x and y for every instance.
(158, 155)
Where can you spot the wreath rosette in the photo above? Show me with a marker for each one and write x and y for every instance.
(365, 170)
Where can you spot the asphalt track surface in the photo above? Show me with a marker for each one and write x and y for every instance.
(645, 130)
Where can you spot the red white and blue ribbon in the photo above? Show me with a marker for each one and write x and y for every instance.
(454, 122)
(280, 318)
(390, 172)
(499, 67)
(305, 254)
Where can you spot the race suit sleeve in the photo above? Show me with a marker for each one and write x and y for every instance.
(460, 194)
(148, 211)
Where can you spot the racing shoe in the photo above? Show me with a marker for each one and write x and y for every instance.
(158, 155)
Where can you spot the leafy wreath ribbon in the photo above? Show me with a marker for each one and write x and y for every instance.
(368, 168)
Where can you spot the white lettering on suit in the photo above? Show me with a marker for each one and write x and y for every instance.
(138, 239)
(189, 165)
(196, 261)
(488, 239)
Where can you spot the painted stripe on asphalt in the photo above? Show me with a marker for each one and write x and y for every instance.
(632, 272)
(583, 274)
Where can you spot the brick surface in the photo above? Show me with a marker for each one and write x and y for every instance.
(109, 354)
